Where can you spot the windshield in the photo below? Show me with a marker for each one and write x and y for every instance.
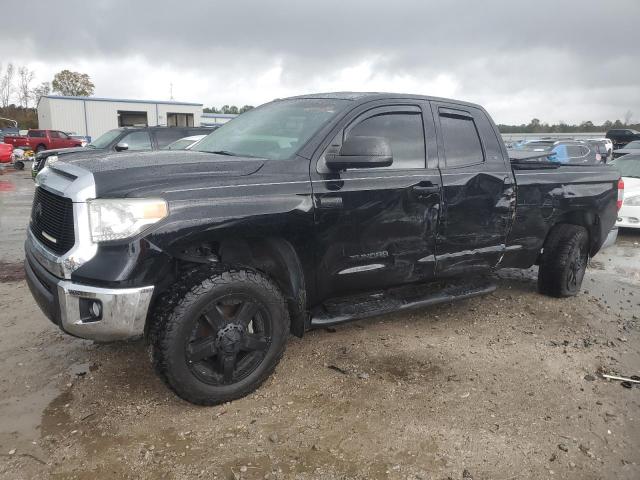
(628, 166)
(104, 140)
(275, 131)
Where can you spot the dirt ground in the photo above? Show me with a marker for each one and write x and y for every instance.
(501, 387)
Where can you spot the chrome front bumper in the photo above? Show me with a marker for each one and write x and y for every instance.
(122, 312)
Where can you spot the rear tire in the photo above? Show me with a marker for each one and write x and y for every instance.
(217, 337)
(564, 261)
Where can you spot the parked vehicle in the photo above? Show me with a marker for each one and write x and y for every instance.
(121, 140)
(600, 149)
(607, 142)
(631, 147)
(6, 153)
(629, 168)
(84, 139)
(302, 213)
(15, 156)
(568, 151)
(8, 131)
(621, 136)
(184, 143)
(39, 140)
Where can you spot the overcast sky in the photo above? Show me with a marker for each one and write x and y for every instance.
(569, 60)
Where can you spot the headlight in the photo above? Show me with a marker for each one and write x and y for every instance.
(51, 159)
(122, 218)
(632, 201)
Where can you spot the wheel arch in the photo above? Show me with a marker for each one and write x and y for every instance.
(274, 256)
(588, 219)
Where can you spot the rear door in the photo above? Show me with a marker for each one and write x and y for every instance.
(375, 227)
(478, 192)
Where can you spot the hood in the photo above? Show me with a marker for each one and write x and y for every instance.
(136, 174)
(66, 151)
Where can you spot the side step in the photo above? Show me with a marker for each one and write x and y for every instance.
(408, 297)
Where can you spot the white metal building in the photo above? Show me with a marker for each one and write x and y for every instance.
(92, 116)
(211, 119)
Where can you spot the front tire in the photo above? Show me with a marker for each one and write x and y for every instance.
(564, 261)
(218, 337)
(40, 148)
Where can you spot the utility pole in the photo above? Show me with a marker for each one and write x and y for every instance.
(171, 91)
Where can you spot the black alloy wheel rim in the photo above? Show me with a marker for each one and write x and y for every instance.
(576, 271)
(230, 339)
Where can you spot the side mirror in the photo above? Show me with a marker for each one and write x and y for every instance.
(122, 146)
(361, 152)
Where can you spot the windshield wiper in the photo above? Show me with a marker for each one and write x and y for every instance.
(232, 154)
(225, 152)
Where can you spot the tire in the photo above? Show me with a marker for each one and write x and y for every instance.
(19, 165)
(217, 336)
(40, 148)
(563, 261)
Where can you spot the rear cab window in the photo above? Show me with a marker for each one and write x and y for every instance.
(460, 138)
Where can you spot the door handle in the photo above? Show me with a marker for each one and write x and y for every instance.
(329, 202)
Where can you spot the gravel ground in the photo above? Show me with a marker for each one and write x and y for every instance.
(501, 387)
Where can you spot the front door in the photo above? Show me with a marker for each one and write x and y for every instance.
(478, 192)
(375, 227)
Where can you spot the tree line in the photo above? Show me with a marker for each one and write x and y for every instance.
(19, 94)
(17, 88)
(227, 109)
(536, 126)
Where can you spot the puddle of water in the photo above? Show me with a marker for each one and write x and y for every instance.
(22, 416)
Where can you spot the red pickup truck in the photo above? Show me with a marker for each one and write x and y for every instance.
(38, 140)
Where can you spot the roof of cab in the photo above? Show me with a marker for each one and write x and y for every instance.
(363, 97)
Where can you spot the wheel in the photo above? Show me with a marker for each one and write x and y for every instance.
(218, 336)
(563, 261)
(40, 148)
(18, 165)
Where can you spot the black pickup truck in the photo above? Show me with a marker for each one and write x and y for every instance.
(305, 212)
(621, 136)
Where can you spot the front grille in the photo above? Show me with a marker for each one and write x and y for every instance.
(52, 221)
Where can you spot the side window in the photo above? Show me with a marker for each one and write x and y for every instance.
(138, 141)
(405, 133)
(54, 134)
(461, 140)
(165, 136)
(62, 135)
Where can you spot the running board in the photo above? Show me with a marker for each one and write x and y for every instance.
(408, 297)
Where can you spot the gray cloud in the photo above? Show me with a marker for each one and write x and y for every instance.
(571, 60)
